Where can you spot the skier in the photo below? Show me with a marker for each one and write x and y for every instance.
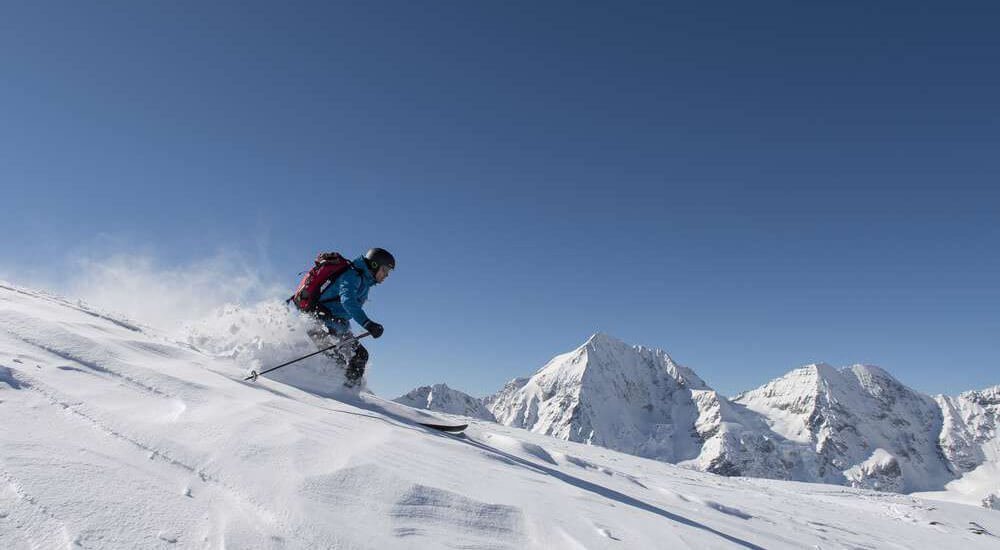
(341, 301)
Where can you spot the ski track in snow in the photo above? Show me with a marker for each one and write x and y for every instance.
(15, 325)
(152, 453)
(93, 363)
(64, 303)
(35, 524)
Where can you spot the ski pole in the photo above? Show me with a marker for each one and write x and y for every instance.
(254, 374)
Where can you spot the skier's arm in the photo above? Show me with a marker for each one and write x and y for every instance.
(347, 288)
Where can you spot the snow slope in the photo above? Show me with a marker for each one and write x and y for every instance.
(116, 437)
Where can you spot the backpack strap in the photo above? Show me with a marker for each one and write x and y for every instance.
(336, 298)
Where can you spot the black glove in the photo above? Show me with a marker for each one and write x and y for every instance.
(373, 328)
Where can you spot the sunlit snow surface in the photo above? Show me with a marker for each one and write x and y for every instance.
(115, 437)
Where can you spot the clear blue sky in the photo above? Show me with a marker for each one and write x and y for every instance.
(749, 186)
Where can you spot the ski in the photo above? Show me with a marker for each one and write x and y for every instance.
(450, 428)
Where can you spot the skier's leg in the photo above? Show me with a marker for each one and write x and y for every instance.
(356, 364)
(330, 332)
(352, 356)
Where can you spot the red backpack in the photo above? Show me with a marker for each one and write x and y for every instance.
(329, 266)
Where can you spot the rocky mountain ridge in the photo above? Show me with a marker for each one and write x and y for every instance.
(855, 426)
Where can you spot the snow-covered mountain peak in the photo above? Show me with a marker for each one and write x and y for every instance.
(608, 393)
(879, 384)
(820, 369)
(603, 355)
(970, 440)
(603, 358)
(601, 339)
(987, 396)
(845, 414)
(441, 398)
(820, 384)
(799, 390)
(871, 370)
(821, 375)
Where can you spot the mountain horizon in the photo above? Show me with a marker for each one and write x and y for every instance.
(855, 425)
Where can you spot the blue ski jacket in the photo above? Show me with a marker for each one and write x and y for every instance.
(344, 297)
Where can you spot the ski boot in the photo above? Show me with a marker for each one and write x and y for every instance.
(355, 371)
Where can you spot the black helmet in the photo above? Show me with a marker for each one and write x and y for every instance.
(378, 257)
